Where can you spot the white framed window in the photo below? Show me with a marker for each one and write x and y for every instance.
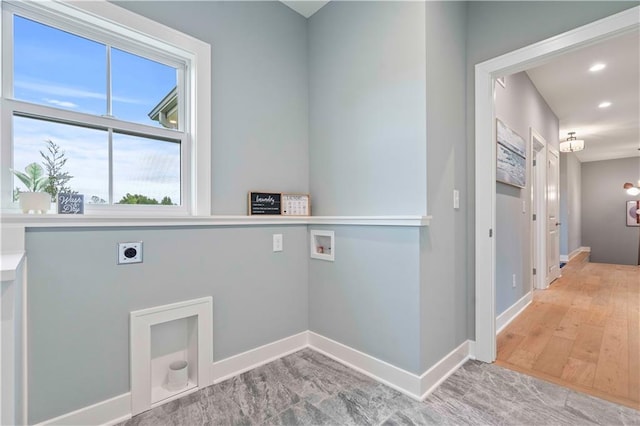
(115, 105)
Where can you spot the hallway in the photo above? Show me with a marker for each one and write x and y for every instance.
(583, 332)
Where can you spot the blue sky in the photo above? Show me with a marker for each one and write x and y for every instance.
(58, 69)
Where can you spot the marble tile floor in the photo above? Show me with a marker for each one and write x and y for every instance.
(308, 388)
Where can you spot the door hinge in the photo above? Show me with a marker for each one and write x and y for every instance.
(534, 271)
(490, 233)
(534, 163)
(534, 217)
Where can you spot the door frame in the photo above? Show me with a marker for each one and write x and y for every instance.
(485, 154)
(538, 146)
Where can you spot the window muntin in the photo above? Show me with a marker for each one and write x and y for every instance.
(170, 176)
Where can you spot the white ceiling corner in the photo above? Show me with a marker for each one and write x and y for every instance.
(305, 8)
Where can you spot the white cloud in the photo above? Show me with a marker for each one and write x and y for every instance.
(64, 104)
(70, 92)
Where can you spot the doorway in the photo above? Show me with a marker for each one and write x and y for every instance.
(485, 159)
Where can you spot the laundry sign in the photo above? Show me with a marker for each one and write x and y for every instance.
(70, 204)
(265, 203)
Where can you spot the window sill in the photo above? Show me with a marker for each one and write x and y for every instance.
(53, 220)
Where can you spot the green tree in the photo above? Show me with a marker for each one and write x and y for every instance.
(166, 201)
(137, 199)
(54, 162)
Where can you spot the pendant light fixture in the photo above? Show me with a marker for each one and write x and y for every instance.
(572, 144)
(632, 190)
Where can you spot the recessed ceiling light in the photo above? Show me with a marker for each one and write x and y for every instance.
(597, 67)
(605, 104)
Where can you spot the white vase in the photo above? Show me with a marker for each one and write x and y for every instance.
(39, 202)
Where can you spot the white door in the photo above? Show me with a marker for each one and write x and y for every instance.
(553, 224)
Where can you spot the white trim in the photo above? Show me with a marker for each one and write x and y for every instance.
(433, 377)
(230, 367)
(485, 161)
(316, 251)
(9, 264)
(513, 311)
(105, 412)
(140, 324)
(54, 220)
(381, 371)
(574, 253)
(412, 385)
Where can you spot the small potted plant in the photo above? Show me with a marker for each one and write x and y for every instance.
(36, 181)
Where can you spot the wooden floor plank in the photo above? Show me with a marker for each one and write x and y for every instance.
(583, 332)
(554, 356)
(588, 342)
(579, 372)
(612, 371)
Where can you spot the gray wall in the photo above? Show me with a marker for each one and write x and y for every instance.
(259, 93)
(367, 108)
(79, 300)
(570, 199)
(496, 28)
(443, 276)
(368, 156)
(603, 210)
(374, 61)
(520, 107)
(368, 298)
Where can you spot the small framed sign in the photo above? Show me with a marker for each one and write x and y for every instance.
(70, 204)
(264, 203)
(296, 205)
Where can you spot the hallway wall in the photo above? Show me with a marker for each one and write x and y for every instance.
(604, 200)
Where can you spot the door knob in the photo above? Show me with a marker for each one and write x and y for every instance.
(558, 224)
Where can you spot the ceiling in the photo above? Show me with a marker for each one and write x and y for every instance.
(574, 93)
(305, 8)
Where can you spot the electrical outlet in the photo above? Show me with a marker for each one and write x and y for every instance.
(277, 242)
(130, 252)
(513, 281)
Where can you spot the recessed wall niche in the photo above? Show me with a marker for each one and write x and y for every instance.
(159, 337)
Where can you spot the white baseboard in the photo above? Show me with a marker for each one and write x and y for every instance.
(448, 365)
(238, 364)
(108, 412)
(392, 376)
(567, 258)
(118, 409)
(513, 311)
(412, 385)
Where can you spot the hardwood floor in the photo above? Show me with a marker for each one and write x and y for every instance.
(583, 332)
